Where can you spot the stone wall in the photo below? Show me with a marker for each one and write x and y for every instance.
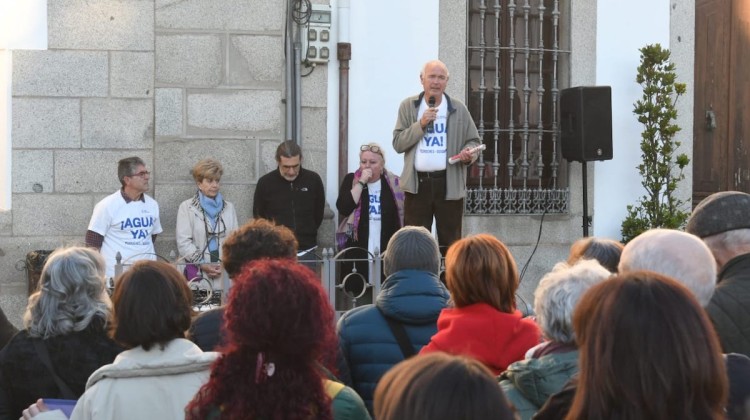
(169, 81)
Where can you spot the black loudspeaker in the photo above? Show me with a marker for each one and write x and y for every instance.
(586, 123)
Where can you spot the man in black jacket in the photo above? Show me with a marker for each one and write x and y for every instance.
(292, 196)
(722, 220)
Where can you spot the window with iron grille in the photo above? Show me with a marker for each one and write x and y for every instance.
(514, 65)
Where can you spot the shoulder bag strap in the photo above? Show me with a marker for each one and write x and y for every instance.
(41, 351)
(399, 332)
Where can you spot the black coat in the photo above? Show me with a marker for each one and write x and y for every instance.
(7, 330)
(389, 222)
(728, 307)
(75, 356)
(207, 330)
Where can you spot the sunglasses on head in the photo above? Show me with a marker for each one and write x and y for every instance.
(373, 149)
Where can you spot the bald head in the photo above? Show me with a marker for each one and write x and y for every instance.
(679, 255)
(434, 63)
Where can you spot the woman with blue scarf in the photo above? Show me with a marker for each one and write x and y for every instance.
(205, 221)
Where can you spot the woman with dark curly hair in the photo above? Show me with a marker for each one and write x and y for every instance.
(256, 239)
(280, 340)
(647, 351)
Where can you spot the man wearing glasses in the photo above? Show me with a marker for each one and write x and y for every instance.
(292, 196)
(432, 127)
(126, 221)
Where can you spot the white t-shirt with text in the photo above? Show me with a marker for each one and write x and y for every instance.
(432, 150)
(373, 241)
(126, 228)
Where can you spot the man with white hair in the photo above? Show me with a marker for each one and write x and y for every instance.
(676, 254)
(722, 220)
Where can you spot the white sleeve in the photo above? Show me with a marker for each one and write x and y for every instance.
(100, 218)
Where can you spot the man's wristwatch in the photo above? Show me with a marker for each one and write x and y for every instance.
(363, 184)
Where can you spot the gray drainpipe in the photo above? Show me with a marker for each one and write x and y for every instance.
(344, 53)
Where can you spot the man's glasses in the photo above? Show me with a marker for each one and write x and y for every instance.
(141, 174)
(371, 148)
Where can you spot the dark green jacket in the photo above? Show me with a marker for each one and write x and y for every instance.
(729, 307)
(528, 383)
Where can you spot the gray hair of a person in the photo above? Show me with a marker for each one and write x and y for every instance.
(127, 167)
(71, 293)
(412, 248)
(558, 293)
(673, 253)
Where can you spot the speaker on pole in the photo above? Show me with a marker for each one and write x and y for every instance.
(586, 123)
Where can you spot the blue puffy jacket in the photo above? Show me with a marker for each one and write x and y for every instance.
(414, 298)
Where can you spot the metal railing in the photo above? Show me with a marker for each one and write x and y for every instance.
(205, 296)
(514, 56)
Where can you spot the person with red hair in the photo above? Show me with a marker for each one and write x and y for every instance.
(482, 278)
(280, 346)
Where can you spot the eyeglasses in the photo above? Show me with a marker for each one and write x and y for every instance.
(371, 148)
(141, 174)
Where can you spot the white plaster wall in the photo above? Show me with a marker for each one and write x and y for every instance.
(391, 40)
(622, 28)
(23, 25)
(5, 140)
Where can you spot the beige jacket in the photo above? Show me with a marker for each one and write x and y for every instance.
(408, 133)
(191, 229)
(154, 384)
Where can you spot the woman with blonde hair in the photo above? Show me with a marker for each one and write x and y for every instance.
(205, 221)
(482, 278)
(372, 203)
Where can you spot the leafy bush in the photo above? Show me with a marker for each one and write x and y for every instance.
(660, 169)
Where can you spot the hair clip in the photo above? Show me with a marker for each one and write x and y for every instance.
(261, 367)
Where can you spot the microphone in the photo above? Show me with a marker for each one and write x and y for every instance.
(431, 104)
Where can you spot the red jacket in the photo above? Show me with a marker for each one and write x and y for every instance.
(495, 338)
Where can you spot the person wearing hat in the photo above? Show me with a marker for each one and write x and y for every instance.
(722, 220)
(410, 301)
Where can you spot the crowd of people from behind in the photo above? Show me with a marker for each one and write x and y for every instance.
(634, 341)
(657, 328)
